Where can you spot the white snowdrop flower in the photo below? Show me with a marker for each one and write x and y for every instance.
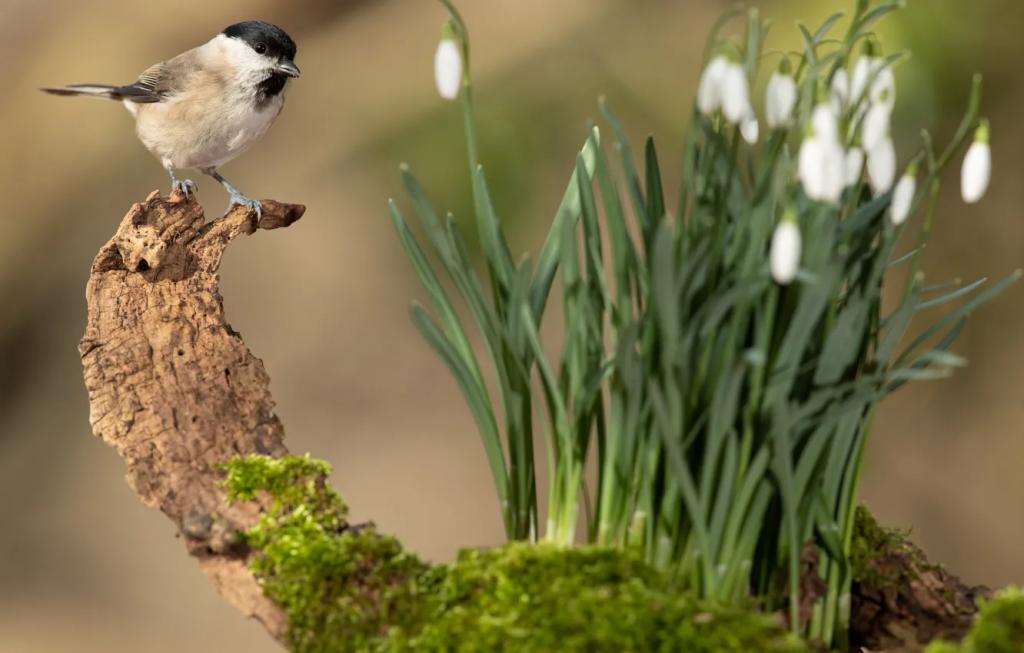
(825, 123)
(709, 90)
(853, 166)
(448, 68)
(735, 93)
(784, 256)
(821, 162)
(840, 91)
(820, 169)
(903, 196)
(882, 166)
(977, 167)
(780, 99)
(862, 70)
(883, 88)
(876, 126)
(749, 128)
(833, 164)
(876, 72)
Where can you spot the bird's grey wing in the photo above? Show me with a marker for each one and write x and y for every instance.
(153, 85)
(159, 81)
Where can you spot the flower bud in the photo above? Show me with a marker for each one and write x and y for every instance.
(709, 91)
(825, 123)
(839, 91)
(876, 126)
(779, 101)
(448, 68)
(882, 166)
(749, 128)
(977, 167)
(903, 196)
(784, 256)
(735, 93)
(821, 169)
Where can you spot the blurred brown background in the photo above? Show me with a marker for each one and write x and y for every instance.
(84, 567)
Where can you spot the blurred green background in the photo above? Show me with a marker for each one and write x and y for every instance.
(85, 567)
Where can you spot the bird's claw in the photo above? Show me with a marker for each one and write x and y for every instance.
(186, 187)
(251, 204)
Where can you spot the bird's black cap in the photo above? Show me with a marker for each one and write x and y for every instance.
(278, 43)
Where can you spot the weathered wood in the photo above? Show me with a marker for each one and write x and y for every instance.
(173, 388)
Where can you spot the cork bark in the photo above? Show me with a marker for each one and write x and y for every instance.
(172, 388)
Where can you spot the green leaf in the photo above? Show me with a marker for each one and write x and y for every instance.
(568, 209)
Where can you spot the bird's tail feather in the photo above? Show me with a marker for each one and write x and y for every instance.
(96, 90)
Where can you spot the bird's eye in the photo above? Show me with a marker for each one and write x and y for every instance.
(261, 48)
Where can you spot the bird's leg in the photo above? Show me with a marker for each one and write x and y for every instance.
(237, 198)
(186, 187)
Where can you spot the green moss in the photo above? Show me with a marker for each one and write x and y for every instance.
(534, 598)
(347, 589)
(342, 588)
(873, 545)
(999, 627)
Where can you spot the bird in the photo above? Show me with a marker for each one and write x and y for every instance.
(205, 106)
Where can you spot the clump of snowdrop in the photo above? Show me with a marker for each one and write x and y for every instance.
(720, 275)
(448, 65)
(977, 167)
(821, 167)
(784, 256)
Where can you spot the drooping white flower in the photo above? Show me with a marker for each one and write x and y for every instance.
(821, 161)
(873, 71)
(977, 166)
(779, 101)
(784, 256)
(876, 126)
(882, 166)
(448, 68)
(820, 169)
(709, 90)
(883, 89)
(903, 196)
(735, 93)
(839, 90)
(854, 165)
(859, 79)
(824, 122)
(749, 128)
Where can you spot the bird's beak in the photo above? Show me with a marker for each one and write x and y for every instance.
(288, 67)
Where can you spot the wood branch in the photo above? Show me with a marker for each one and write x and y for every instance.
(173, 388)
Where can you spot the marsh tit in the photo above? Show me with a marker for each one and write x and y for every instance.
(205, 106)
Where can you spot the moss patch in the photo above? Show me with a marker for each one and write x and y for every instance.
(524, 597)
(872, 544)
(342, 588)
(999, 627)
(350, 589)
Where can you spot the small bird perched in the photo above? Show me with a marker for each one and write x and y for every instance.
(207, 105)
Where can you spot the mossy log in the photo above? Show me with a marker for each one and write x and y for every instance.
(178, 395)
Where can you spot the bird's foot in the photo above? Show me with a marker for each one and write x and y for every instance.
(186, 187)
(237, 199)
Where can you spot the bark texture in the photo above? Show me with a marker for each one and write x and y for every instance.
(908, 602)
(173, 388)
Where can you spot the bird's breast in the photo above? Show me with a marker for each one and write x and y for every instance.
(205, 131)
